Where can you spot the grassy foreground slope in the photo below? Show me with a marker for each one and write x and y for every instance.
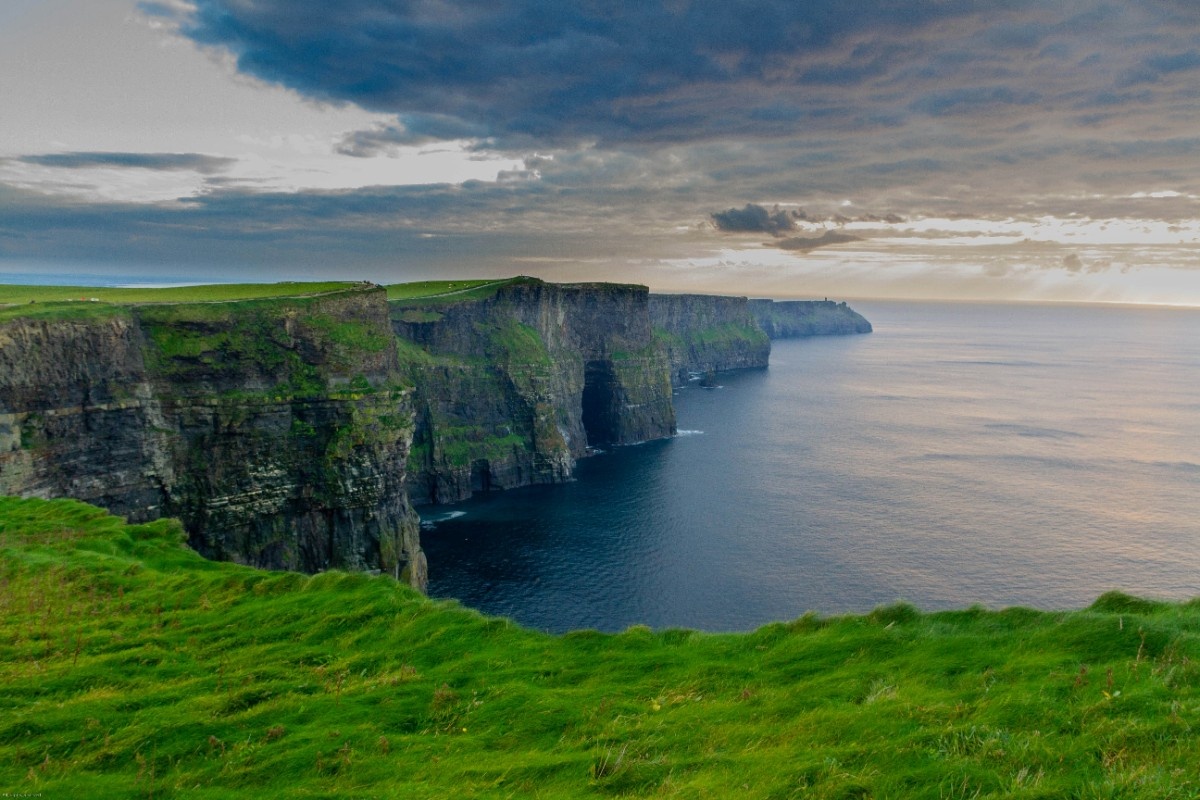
(131, 667)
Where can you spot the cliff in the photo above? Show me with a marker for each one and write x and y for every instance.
(288, 430)
(277, 430)
(785, 319)
(707, 333)
(517, 379)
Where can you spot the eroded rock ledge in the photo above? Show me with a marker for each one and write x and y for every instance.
(276, 430)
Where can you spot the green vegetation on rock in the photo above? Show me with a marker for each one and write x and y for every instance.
(133, 668)
(249, 337)
(514, 343)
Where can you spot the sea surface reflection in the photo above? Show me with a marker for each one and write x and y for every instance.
(995, 454)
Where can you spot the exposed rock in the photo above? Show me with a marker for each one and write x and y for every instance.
(707, 333)
(784, 319)
(514, 385)
(276, 430)
(288, 432)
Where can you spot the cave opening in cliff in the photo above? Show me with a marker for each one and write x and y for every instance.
(601, 407)
(481, 475)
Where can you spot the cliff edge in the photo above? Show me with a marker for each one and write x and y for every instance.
(276, 429)
(786, 319)
(708, 333)
(288, 425)
(517, 379)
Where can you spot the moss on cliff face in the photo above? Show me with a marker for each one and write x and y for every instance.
(479, 426)
(703, 333)
(504, 373)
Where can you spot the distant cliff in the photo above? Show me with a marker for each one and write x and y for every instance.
(276, 430)
(785, 319)
(517, 379)
(707, 333)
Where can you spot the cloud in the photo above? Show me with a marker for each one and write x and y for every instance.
(974, 99)
(566, 71)
(1075, 265)
(755, 219)
(158, 162)
(1155, 67)
(635, 121)
(893, 87)
(805, 243)
(414, 130)
(919, 100)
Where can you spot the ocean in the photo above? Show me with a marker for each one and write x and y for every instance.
(963, 454)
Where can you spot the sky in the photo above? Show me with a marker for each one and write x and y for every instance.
(959, 149)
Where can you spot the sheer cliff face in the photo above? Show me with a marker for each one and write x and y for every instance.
(785, 319)
(705, 333)
(277, 430)
(514, 386)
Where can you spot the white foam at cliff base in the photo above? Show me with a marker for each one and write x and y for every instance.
(429, 522)
(689, 433)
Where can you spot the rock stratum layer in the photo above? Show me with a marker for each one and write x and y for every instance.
(516, 381)
(290, 432)
(276, 430)
(707, 333)
(787, 319)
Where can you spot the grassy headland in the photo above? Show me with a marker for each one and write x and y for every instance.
(88, 301)
(446, 291)
(131, 667)
(213, 292)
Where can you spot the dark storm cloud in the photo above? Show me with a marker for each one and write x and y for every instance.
(160, 162)
(560, 71)
(805, 243)
(821, 95)
(755, 219)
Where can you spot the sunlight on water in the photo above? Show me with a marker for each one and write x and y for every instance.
(994, 454)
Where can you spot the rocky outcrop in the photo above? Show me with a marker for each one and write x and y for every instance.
(785, 319)
(276, 430)
(707, 333)
(516, 382)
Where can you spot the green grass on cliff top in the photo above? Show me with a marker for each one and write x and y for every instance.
(447, 291)
(131, 667)
(75, 302)
(217, 292)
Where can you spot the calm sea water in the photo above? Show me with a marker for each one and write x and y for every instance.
(961, 454)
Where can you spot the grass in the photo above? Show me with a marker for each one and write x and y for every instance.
(448, 290)
(133, 668)
(90, 302)
(222, 292)
(249, 337)
(725, 335)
